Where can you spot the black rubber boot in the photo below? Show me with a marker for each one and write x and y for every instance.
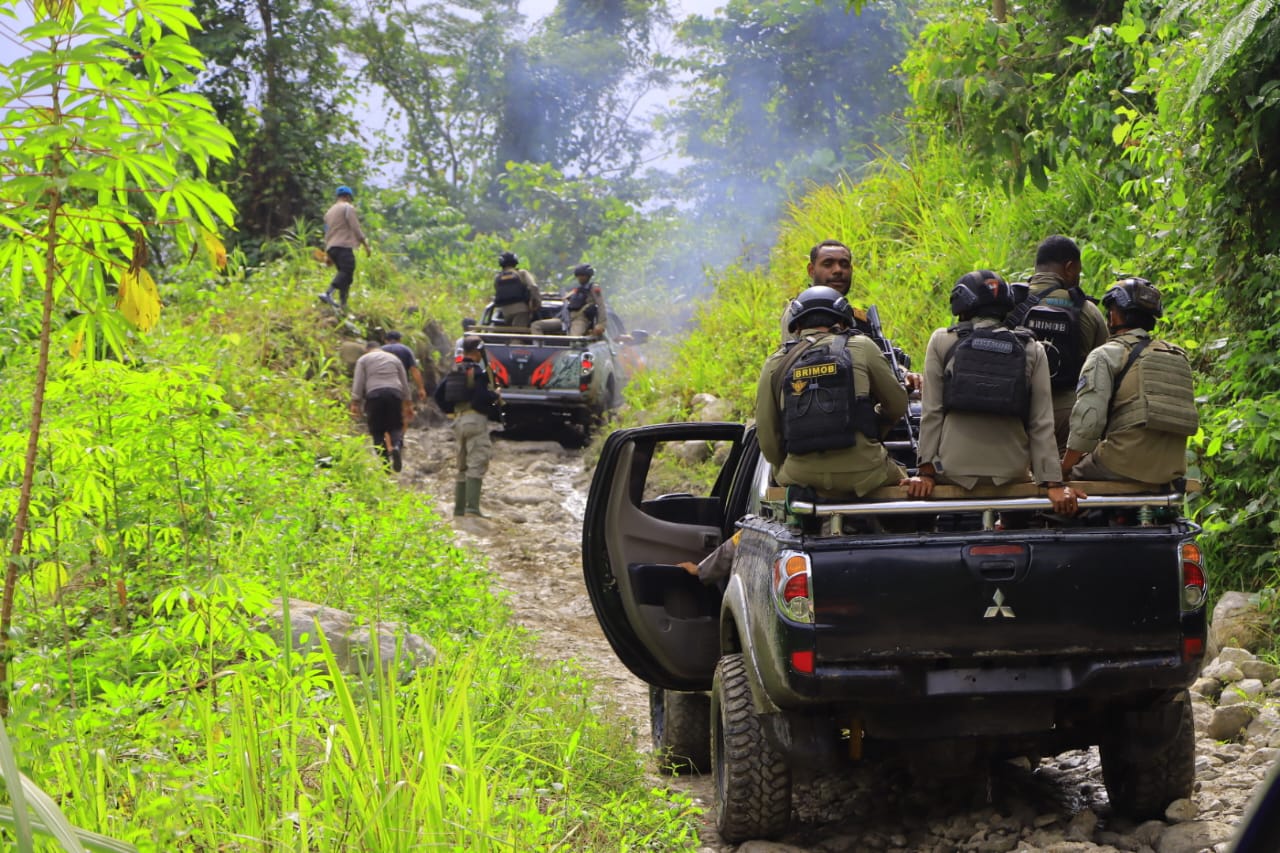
(473, 496)
(460, 497)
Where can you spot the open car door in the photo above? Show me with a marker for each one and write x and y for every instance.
(662, 622)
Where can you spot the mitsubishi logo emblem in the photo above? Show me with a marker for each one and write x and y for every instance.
(999, 609)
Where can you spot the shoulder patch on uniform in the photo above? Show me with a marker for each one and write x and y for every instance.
(1081, 382)
(859, 314)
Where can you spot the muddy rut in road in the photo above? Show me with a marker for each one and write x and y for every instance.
(535, 495)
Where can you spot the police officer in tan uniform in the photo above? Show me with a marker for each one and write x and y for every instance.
(516, 292)
(831, 265)
(1135, 403)
(585, 304)
(466, 393)
(820, 415)
(1056, 284)
(987, 408)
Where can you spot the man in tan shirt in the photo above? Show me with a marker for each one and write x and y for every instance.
(987, 410)
(820, 414)
(1135, 402)
(342, 234)
(379, 391)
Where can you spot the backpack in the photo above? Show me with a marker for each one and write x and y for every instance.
(460, 384)
(509, 288)
(988, 372)
(820, 409)
(1057, 328)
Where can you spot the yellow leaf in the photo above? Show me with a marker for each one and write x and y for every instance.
(138, 299)
(77, 345)
(217, 251)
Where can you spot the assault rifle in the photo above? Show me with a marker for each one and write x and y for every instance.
(899, 361)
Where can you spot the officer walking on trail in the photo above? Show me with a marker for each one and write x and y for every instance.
(381, 392)
(516, 292)
(824, 400)
(466, 393)
(342, 234)
(585, 304)
(1135, 404)
(1064, 320)
(987, 407)
(409, 360)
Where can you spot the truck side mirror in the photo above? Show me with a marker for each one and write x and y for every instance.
(639, 336)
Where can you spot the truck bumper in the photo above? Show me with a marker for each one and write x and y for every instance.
(1067, 679)
(549, 403)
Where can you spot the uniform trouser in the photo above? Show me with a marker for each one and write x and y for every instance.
(552, 326)
(579, 325)
(344, 258)
(471, 431)
(517, 314)
(384, 415)
(1089, 468)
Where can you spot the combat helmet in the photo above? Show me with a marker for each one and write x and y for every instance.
(819, 298)
(981, 292)
(1135, 295)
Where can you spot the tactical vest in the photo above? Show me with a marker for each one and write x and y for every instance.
(460, 384)
(988, 372)
(821, 409)
(509, 288)
(1155, 390)
(1057, 327)
(579, 297)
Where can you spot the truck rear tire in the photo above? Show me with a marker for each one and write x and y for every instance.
(681, 727)
(1149, 758)
(753, 782)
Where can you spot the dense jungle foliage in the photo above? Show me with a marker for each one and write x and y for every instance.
(1144, 130)
(169, 471)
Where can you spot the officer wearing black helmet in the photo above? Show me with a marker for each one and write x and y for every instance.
(824, 400)
(585, 304)
(515, 292)
(987, 405)
(831, 265)
(1135, 402)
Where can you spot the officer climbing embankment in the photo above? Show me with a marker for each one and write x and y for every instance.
(380, 391)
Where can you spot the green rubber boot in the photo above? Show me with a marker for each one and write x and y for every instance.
(460, 497)
(473, 496)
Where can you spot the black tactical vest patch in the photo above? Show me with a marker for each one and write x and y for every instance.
(1057, 328)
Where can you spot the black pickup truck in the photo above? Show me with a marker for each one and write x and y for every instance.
(834, 641)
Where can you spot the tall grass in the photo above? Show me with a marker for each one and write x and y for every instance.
(179, 493)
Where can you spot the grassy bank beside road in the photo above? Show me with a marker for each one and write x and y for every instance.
(183, 490)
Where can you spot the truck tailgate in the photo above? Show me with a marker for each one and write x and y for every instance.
(989, 595)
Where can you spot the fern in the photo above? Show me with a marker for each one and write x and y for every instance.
(1227, 46)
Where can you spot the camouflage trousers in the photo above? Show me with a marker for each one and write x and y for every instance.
(471, 431)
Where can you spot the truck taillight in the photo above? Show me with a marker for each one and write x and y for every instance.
(791, 591)
(1194, 587)
(588, 363)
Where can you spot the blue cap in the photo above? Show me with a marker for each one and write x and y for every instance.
(344, 190)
